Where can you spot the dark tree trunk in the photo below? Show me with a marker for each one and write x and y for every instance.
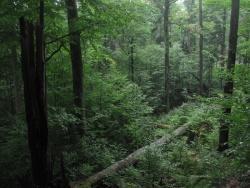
(210, 78)
(15, 83)
(167, 59)
(76, 59)
(228, 88)
(201, 47)
(223, 42)
(189, 37)
(33, 71)
(132, 59)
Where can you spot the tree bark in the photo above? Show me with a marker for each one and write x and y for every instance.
(76, 59)
(167, 58)
(223, 42)
(201, 47)
(129, 160)
(15, 83)
(246, 56)
(210, 78)
(228, 88)
(132, 59)
(189, 37)
(33, 71)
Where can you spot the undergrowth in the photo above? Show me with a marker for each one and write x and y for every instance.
(191, 161)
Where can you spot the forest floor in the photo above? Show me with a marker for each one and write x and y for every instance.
(196, 153)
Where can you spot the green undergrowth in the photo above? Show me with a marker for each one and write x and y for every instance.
(189, 161)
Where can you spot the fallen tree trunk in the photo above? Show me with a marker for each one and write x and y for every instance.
(129, 160)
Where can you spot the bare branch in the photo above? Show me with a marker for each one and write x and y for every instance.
(62, 37)
(53, 53)
(173, 1)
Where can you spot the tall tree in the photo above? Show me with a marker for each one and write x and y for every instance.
(167, 58)
(189, 38)
(201, 47)
(228, 88)
(15, 85)
(76, 58)
(33, 71)
(131, 53)
(223, 41)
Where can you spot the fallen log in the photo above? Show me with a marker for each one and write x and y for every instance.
(163, 126)
(129, 160)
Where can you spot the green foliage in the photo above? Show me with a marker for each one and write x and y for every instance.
(116, 106)
(14, 154)
(122, 115)
(169, 165)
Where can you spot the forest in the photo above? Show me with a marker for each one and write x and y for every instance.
(125, 93)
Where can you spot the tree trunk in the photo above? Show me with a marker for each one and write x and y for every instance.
(132, 59)
(210, 78)
(15, 83)
(33, 71)
(201, 47)
(223, 42)
(167, 58)
(129, 160)
(76, 60)
(188, 43)
(228, 88)
(246, 56)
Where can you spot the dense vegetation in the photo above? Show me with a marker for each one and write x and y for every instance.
(85, 83)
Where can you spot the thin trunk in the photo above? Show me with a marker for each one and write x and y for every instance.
(132, 59)
(76, 60)
(15, 84)
(223, 42)
(246, 56)
(210, 78)
(167, 58)
(33, 71)
(191, 34)
(201, 47)
(189, 37)
(228, 88)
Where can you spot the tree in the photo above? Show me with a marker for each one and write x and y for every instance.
(223, 39)
(33, 71)
(228, 88)
(131, 53)
(188, 43)
(76, 59)
(15, 82)
(167, 59)
(201, 47)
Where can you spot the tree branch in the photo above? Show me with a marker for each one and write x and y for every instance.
(62, 37)
(53, 53)
(173, 1)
